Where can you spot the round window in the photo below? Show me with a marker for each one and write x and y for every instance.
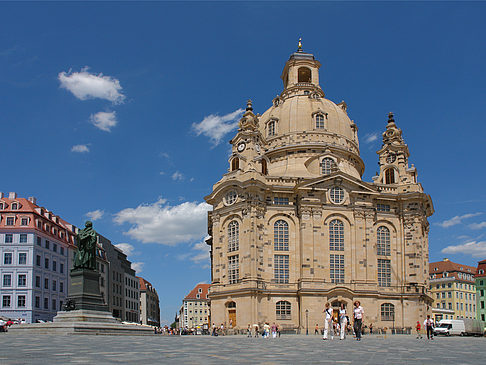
(231, 197)
(337, 195)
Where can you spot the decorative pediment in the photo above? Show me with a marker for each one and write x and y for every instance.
(337, 178)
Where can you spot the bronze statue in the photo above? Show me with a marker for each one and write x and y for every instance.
(85, 257)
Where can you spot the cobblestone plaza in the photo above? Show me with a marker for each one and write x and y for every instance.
(291, 349)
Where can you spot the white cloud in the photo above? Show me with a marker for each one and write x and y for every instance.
(85, 85)
(164, 155)
(199, 254)
(162, 223)
(81, 148)
(477, 225)
(456, 220)
(161, 173)
(138, 267)
(95, 214)
(371, 137)
(126, 248)
(177, 176)
(104, 120)
(473, 248)
(215, 126)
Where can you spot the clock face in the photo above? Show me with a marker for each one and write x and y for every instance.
(241, 147)
(391, 158)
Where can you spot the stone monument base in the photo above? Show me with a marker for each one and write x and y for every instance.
(84, 322)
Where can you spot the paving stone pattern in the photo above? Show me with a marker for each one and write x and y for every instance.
(291, 349)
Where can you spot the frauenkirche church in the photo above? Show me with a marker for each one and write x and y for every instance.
(294, 226)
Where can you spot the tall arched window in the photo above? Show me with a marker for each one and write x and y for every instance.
(264, 167)
(390, 176)
(327, 165)
(235, 164)
(272, 128)
(281, 235)
(387, 312)
(319, 121)
(304, 74)
(283, 310)
(383, 241)
(336, 235)
(233, 236)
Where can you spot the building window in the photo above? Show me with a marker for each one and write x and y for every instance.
(37, 302)
(62, 251)
(46, 283)
(54, 247)
(2, 205)
(281, 235)
(277, 200)
(22, 258)
(7, 258)
(23, 238)
(336, 235)
(21, 301)
(6, 301)
(281, 269)
(46, 303)
(389, 176)
(10, 221)
(283, 310)
(337, 195)
(383, 241)
(7, 280)
(37, 282)
(319, 121)
(231, 197)
(14, 206)
(54, 285)
(48, 244)
(264, 167)
(337, 268)
(304, 74)
(61, 268)
(328, 165)
(61, 287)
(9, 238)
(46, 263)
(233, 236)
(272, 128)
(235, 164)
(24, 221)
(39, 241)
(54, 265)
(233, 269)
(53, 307)
(387, 312)
(384, 272)
(382, 207)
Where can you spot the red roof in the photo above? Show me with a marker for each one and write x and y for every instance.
(203, 293)
(481, 273)
(440, 267)
(144, 283)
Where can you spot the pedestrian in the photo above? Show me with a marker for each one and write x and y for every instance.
(327, 321)
(266, 330)
(255, 326)
(274, 330)
(222, 329)
(371, 328)
(417, 328)
(358, 319)
(429, 326)
(248, 331)
(343, 320)
(316, 330)
(278, 330)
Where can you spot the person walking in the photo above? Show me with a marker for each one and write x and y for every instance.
(248, 331)
(429, 326)
(358, 319)
(417, 328)
(343, 321)
(327, 321)
(255, 326)
(266, 330)
(316, 330)
(371, 328)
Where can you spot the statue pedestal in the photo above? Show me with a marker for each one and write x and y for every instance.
(85, 290)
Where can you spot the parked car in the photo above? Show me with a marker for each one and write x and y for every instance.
(460, 327)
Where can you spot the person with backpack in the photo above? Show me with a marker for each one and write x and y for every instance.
(327, 321)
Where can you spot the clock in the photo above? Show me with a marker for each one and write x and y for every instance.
(391, 158)
(241, 147)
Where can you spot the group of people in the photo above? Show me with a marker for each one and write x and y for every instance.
(429, 328)
(266, 332)
(341, 325)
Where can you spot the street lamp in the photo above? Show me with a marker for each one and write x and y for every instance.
(307, 322)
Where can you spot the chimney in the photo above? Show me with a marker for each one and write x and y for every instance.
(33, 199)
(12, 195)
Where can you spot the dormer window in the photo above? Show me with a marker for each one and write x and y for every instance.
(14, 206)
(272, 128)
(2, 205)
(315, 96)
(199, 290)
(328, 165)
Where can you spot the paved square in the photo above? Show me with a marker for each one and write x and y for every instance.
(292, 349)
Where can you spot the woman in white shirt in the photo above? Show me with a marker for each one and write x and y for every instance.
(327, 321)
(343, 321)
(358, 319)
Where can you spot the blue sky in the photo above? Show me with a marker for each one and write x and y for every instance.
(123, 111)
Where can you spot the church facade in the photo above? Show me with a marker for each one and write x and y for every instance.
(294, 226)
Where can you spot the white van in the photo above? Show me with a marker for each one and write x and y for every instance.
(450, 327)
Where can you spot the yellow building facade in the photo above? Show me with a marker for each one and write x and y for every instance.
(453, 289)
(294, 226)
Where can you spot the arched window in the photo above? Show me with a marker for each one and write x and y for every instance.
(272, 128)
(231, 305)
(383, 241)
(281, 235)
(264, 167)
(389, 176)
(336, 235)
(233, 236)
(319, 121)
(235, 164)
(387, 312)
(327, 165)
(283, 310)
(304, 75)
(14, 206)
